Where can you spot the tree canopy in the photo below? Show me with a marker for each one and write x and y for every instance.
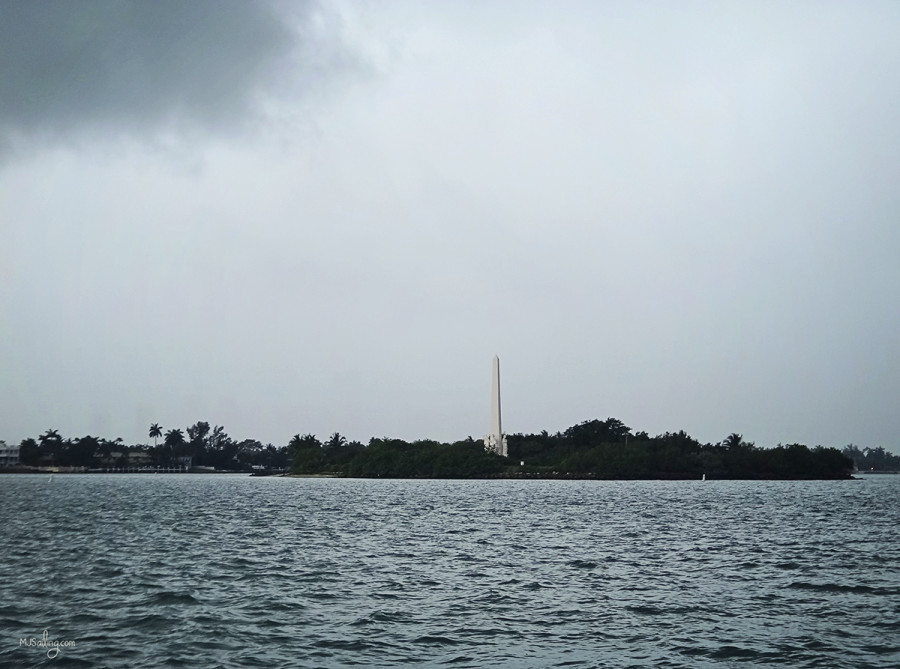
(603, 449)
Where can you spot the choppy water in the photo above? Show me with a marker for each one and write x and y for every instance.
(154, 570)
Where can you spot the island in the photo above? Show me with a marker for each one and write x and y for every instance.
(593, 449)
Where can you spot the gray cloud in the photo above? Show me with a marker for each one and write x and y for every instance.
(134, 67)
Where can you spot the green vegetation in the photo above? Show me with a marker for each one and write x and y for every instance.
(201, 447)
(608, 449)
(872, 459)
(593, 449)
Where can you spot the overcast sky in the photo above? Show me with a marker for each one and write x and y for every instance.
(318, 217)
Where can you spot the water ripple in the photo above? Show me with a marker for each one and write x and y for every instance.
(225, 571)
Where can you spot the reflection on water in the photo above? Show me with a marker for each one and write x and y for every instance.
(156, 570)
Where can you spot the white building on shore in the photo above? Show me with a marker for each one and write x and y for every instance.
(9, 455)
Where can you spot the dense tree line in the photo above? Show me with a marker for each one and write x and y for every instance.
(591, 449)
(394, 458)
(198, 445)
(609, 449)
(873, 459)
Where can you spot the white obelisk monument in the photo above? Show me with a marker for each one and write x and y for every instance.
(496, 441)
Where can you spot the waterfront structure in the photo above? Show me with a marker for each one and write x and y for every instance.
(495, 440)
(9, 455)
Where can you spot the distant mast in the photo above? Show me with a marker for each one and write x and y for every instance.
(496, 441)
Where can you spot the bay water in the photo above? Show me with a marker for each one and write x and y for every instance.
(235, 571)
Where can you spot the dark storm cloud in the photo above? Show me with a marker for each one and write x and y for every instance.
(135, 66)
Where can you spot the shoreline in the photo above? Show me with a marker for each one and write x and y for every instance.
(531, 476)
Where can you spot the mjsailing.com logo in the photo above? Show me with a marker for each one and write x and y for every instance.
(52, 645)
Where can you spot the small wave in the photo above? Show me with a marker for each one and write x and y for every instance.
(729, 652)
(582, 564)
(82, 618)
(648, 609)
(493, 597)
(168, 597)
(476, 574)
(324, 594)
(383, 595)
(436, 639)
(690, 650)
(836, 587)
(149, 622)
(352, 645)
(318, 575)
(459, 659)
(880, 649)
(474, 634)
(382, 617)
(818, 645)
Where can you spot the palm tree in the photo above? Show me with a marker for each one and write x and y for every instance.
(50, 436)
(217, 438)
(306, 441)
(174, 446)
(155, 433)
(174, 438)
(51, 444)
(733, 441)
